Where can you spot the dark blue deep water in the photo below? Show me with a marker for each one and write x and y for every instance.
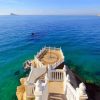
(79, 37)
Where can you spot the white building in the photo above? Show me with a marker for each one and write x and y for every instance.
(50, 79)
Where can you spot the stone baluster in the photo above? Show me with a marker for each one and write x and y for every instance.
(38, 90)
(49, 72)
(55, 75)
(56, 78)
(64, 71)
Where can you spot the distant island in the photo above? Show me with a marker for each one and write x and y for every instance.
(12, 14)
(98, 14)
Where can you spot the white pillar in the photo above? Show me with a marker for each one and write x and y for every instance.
(49, 72)
(46, 78)
(38, 91)
(81, 92)
(68, 78)
(62, 78)
(64, 68)
(59, 76)
(64, 72)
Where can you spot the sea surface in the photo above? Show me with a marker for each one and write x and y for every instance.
(78, 36)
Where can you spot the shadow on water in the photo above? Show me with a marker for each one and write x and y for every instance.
(88, 77)
(36, 36)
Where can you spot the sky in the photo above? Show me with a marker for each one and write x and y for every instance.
(50, 7)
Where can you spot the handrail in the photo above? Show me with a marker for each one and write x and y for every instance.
(56, 75)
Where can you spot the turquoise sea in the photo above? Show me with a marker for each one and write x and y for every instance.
(78, 36)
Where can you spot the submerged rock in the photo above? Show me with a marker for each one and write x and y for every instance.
(17, 72)
(97, 73)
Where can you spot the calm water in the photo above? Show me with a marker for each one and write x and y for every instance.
(79, 37)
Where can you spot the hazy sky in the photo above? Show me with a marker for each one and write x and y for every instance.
(50, 7)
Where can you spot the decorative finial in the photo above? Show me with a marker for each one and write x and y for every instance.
(82, 88)
(64, 68)
(68, 78)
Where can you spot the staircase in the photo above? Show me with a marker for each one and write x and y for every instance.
(56, 96)
(35, 74)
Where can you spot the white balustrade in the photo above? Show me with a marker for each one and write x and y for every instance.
(57, 63)
(61, 53)
(81, 92)
(53, 48)
(72, 93)
(41, 90)
(56, 75)
(41, 51)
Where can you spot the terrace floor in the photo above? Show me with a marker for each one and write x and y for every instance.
(50, 56)
(56, 87)
(56, 91)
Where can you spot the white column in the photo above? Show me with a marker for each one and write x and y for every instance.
(38, 91)
(46, 78)
(49, 72)
(68, 78)
(59, 76)
(81, 92)
(64, 68)
(64, 72)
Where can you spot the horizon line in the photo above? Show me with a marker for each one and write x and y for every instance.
(49, 15)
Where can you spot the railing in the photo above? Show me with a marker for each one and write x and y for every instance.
(56, 75)
(61, 54)
(71, 93)
(53, 48)
(57, 63)
(41, 51)
(74, 94)
(40, 91)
